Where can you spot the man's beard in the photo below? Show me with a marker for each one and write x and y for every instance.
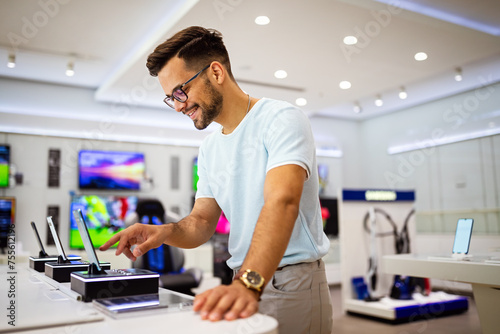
(211, 110)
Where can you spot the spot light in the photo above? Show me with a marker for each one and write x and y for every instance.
(458, 74)
(378, 101)
(402, 93)
(357, 108)
(70, 69)
(12, 61)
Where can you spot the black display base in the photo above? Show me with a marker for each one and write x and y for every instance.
(114, 283)
(38, 263)
(61, 272)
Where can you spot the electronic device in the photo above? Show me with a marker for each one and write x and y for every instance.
(97, 282)
(329, 212)
(7, 217)
(38, 262)
(461, 243)
(60, 271)
(104, 215)
(463, 235)
(140, 305)
(110, 170)
(195, 174)
(4, 165)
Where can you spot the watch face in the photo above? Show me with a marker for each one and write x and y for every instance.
(254, 278)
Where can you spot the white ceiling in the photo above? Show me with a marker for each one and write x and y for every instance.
(110, 40)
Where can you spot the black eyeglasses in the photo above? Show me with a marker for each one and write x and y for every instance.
(178, 93)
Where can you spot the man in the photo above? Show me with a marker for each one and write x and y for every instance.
(260, 169)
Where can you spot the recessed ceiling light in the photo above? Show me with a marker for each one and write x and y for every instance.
(420, 56)
(350, 40)
(262, 20)
(345, 84)
(280, 74)
(301, 102)
(378, 101)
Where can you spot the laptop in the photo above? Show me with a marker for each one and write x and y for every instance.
(460, 250)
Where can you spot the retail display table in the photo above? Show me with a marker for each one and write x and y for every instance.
(40, 305)
(481, 272)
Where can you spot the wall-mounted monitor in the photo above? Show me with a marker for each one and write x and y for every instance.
(195, 174)
(110, 170)
(4, 165)
(105, 216)
(329, 211)
(7, 217)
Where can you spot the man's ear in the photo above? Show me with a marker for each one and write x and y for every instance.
(218, 72)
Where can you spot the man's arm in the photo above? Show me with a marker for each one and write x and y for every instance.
(282, 192)
(190, 232)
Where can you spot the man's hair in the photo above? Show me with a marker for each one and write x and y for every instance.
(197, 46)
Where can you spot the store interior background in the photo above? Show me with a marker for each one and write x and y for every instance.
(443, 141)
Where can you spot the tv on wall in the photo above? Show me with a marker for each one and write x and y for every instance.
(7, 217)
(110, 170)
(104, 215)
(4, 165)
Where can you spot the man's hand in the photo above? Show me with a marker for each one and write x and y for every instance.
(145, 237)
(228, 302)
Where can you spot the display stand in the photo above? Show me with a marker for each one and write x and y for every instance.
(374, 223)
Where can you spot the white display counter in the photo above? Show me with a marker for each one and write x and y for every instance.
(482, 273)
(42, 305)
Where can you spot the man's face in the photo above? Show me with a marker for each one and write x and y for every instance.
(204, 103)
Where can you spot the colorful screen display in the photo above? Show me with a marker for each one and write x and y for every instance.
(110, 170)
(7, 217)
(105, 216)
(4, 165)
(195, 174)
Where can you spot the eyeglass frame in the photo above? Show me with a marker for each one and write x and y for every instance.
(170, 99)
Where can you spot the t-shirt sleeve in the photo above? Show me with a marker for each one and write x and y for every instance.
(289, 140)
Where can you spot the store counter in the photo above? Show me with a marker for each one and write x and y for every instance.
(33, 302)
(482, 273)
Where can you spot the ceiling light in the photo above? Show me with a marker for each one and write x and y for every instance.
(280, 74)
(357, 108)
(12, 61)
(402, 93)
(301, 102)
(378, 101)
(420, 56)
(262, 20)
(345, 84)
(70, 69)
(350, 40)
(458, 74)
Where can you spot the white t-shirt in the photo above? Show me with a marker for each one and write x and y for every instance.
(232, 170)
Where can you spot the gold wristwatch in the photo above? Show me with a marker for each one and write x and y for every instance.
(251, 279)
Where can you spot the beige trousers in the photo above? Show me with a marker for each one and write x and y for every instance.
(299, 298)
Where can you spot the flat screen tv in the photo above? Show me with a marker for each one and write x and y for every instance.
(110, 170)
(329, 211)
(105, 216)
(4, 165)
(195, 174)
(7, 217)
